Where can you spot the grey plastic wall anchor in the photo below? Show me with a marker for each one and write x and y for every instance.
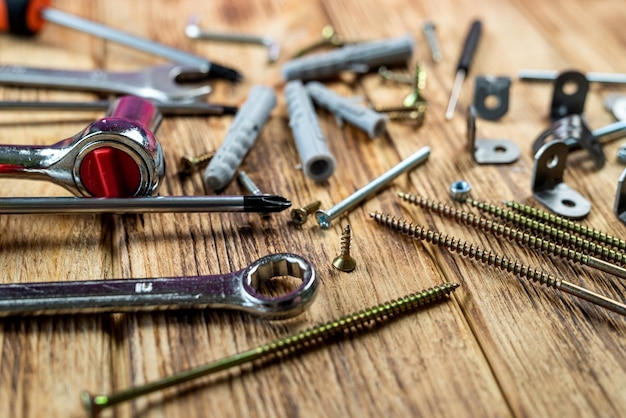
(548, 186)
(240, 137)
(361, 57)
(373, 123)
(620, 198)
(318, 163)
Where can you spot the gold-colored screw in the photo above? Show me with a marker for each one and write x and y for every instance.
(513, 234)
(344, 261)
(564, 223)
(491, 258)
(556, 234)
(283, 347)
(190, 165)
(329, 38)
(300, 215)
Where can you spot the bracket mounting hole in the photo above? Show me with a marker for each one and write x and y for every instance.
(491, 101)
(552, 161)
(568, 203)
(570, 88)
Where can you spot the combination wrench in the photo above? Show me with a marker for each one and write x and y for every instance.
(160, 83)
(242, 290)
(116, 156)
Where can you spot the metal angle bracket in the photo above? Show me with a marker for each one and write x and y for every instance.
(620, 198)
(493, 87)
(575, 132)
(547, 183)
(568, 97)
(489, 151)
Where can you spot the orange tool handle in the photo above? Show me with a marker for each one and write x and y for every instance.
(22, 17)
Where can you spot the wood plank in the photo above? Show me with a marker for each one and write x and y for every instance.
(500, 347)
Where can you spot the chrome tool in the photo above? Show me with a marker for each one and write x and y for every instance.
(240, 290)
(462, 68)
(116, 156)
(158, 83)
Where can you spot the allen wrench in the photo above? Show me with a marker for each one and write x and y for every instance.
(193, 31)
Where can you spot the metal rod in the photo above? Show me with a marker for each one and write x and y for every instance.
(324, 218)
(551, 75)
(170, 109)
(159, 204)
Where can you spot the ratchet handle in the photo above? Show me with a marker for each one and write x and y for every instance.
(22, 17)
(469, 48)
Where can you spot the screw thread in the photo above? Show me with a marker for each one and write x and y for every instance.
(248, 184)
(289, 345)
(471, 251)
(497, 229)
(553, 233)
(346, 238)
(365, 317)
(564, 223)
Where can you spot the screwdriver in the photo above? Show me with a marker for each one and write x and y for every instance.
(27, 17)
(462, 68)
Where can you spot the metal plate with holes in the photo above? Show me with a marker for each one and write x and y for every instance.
(548, 186)
(489, 151)
(491, 96)
(620, 198)
(570, 92)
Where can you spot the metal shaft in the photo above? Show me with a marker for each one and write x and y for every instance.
(292, 344)
(551, 75)
(324, 218)
(124, 38)
(160, 204)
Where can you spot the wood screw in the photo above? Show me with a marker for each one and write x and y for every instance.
(493, 259)
(556, 234)
(513, 234)
(300, 215)
(283, 347)
(344, 261)
(189, 165)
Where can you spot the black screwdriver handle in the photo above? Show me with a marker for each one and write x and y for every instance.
(469, 48)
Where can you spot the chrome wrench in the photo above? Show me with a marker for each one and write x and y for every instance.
(116, 156)
(240, 290)
(158, 83)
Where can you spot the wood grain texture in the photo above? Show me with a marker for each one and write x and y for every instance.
(500, 347)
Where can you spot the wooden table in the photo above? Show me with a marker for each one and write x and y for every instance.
(501, 346)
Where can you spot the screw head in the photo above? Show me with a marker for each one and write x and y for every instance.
(344, 263)
(299, 216)
(323, 219)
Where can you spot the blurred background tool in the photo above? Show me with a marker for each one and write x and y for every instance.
(462, 68)
(27, 17)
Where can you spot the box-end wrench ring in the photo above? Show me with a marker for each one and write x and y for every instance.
(240, 290)
(164, 83)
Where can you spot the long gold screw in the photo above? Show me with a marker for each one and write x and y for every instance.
(513, 234)
(491, 258)
(344, 261)
(564, 223)
(556, 234)
(283, 347)
(300, 215)
(190, 164)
